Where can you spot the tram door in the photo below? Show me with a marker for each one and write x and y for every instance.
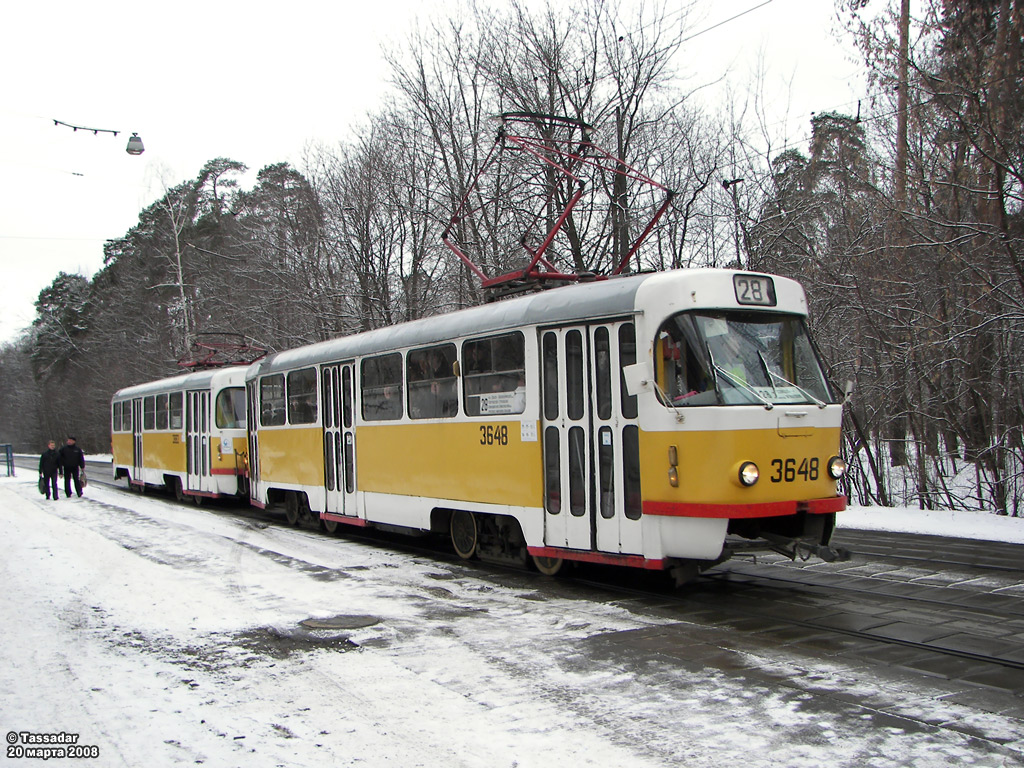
(197, 439)
(591, 451)
(252, 419)
(137, 440)
(339, 438)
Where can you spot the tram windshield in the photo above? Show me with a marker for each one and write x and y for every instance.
(231, 408)
(737, 358)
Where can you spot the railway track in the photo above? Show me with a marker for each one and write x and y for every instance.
(932, 626)
(932, 551)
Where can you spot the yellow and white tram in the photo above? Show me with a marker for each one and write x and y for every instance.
(659, 421)
(186, 433)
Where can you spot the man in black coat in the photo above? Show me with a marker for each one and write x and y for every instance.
(49, 463)
(72, 461)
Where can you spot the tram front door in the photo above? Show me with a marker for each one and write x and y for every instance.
(590, 439)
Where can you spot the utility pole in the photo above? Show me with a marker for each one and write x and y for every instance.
(730, 185)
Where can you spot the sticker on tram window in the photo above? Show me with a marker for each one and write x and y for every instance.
(754, 289)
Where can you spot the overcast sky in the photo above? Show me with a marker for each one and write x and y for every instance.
(256, 82)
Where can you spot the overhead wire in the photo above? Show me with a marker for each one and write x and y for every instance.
(788, 144)
(684, 9)
(723, 23)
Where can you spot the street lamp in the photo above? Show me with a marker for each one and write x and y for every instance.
(135, 145)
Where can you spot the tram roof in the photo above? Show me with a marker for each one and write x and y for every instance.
(610, 298)
(184, 381)
(603, 298)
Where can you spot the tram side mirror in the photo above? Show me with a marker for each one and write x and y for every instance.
(848, 391)
(639, 378)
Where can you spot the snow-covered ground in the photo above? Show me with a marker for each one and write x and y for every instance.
(162, 634)
(964, 525)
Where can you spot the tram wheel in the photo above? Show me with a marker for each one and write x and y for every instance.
(179, 492)
(291, 509)
(549, 566)
(329, 525)
(464, 533)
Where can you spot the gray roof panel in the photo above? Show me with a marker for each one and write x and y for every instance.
(604, 298)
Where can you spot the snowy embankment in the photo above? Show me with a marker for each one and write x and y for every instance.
(985, 526)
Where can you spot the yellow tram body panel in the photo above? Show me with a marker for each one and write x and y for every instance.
(231, 461)
(292, 456)
(121, 446)
(165, 451)
(709, 462)
(467, 461)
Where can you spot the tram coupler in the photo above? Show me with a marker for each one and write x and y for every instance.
(794, 548)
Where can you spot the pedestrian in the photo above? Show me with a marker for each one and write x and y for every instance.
(72, 462)
(49, 465)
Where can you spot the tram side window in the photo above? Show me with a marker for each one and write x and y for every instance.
(149, 413)
(494, 375)
(302, 396)
(329, 390)
(603, 373)
(431, 376)
(681, 367)
(161, 411)
(115, 417)
(175, 409)
(126, 416)
(631, 471)
(272, 401)
(230, 408)
(346, 397)
(550, 356)
(627, 357)
(552, 472)
(382, 387)
(575, 382)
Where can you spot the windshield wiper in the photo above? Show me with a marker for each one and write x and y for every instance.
(737, 382)
(797, 387)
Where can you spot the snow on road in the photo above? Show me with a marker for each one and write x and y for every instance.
(164, 634)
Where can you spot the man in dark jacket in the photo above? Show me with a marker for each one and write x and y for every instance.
(72, 461)
(49, 463)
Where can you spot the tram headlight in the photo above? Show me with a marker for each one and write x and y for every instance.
(836, 467)
(748, 474)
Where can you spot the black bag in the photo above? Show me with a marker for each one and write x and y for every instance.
(42, 485)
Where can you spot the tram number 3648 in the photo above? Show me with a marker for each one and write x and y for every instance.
(789, 471)
(491, 435)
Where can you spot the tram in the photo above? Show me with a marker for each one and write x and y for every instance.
(659, 421)
(186, 433)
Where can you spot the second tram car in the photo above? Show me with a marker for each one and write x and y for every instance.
(186, 433)
(659, 421)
